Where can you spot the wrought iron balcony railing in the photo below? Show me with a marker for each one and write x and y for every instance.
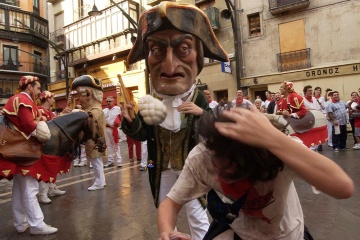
(24, 67)
(280, 6)
(58, 36)
(293, 60)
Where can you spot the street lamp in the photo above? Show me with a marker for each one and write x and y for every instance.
(61, 55)
(94, 12)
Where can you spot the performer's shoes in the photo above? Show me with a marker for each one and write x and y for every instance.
(111, 164)
(22, 228)
(142, 168)
(44, 199)
(119, 165)
(320, 148)
(45, 230)
(95, 187)
(82, 163)
(76, 162)
(55, 192)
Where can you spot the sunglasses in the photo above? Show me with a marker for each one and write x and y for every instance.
(108, 101)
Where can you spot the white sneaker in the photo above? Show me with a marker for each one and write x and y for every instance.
(82, 163)
(95, 187)
(45, 230)
(356, 146)
(55, 192)
(44, 199)
(76, 162)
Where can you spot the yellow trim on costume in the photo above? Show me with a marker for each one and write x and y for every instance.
(38, 175)
(51, 179)
(6, 172)
(24, 172)
(61, 172)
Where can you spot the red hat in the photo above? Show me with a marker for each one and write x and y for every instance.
(289, 86)
(46, 94)
(26, 80)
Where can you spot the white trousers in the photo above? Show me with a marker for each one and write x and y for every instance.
(329, 127)
(25, 205)
(98, 167)
(197, 217)
(144, 154)
(112, 147)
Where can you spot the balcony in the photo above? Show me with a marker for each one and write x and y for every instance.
(14, 3)
(58, 37)
(281, 6)
(294, 60)
(10, 29)
(31, 67)
(95, 37)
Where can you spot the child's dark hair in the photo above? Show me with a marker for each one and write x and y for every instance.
(253, 163)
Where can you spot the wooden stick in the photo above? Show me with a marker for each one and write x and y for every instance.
(126, 95)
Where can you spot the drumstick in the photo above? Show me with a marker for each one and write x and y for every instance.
(126, 95)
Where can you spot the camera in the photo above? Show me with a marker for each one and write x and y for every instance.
(328, 90)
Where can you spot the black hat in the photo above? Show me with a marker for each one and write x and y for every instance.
(87, 81)
(182, 17)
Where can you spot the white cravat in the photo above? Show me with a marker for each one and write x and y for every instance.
(173, 118)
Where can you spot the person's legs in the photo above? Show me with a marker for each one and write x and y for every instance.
(335, 139)
(43, 192)
(117, 153)
(98, 168)
(83, 158)
(110, 145)
(198, 219)
(343, 136)
(329, 127)
(29, 188)
(138, 150)
(130, 143)
(144, 156)
(168, 179)
(20, 220)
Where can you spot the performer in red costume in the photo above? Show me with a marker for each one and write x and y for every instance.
(48, 189)
(291, 104)
(23, 114)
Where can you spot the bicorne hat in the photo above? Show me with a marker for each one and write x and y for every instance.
(183, 17)
(87, 81)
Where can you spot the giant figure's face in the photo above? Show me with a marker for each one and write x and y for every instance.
(172, 61)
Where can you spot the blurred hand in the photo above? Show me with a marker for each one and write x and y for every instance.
(190, 108)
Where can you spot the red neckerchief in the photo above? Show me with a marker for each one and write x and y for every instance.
(334, 101)
(269, 99)
(239, 102)
(235, 190)
(309, 98)
(209, 101)
(317, 97)
(111, 107)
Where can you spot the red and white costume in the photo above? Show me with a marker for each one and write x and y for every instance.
(22, 112)
(112, 118)
(294, 103)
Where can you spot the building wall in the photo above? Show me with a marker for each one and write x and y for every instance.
(328, 34)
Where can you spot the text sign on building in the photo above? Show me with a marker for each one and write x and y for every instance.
(226, 67)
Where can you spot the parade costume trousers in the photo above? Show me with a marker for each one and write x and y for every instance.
(112, 147)
(98, 167)
(197, 217)
(329, 127)
(144, 154)
(25, 205)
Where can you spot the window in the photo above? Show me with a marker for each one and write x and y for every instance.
(254, 24)
(36, 7)
(10, 56)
